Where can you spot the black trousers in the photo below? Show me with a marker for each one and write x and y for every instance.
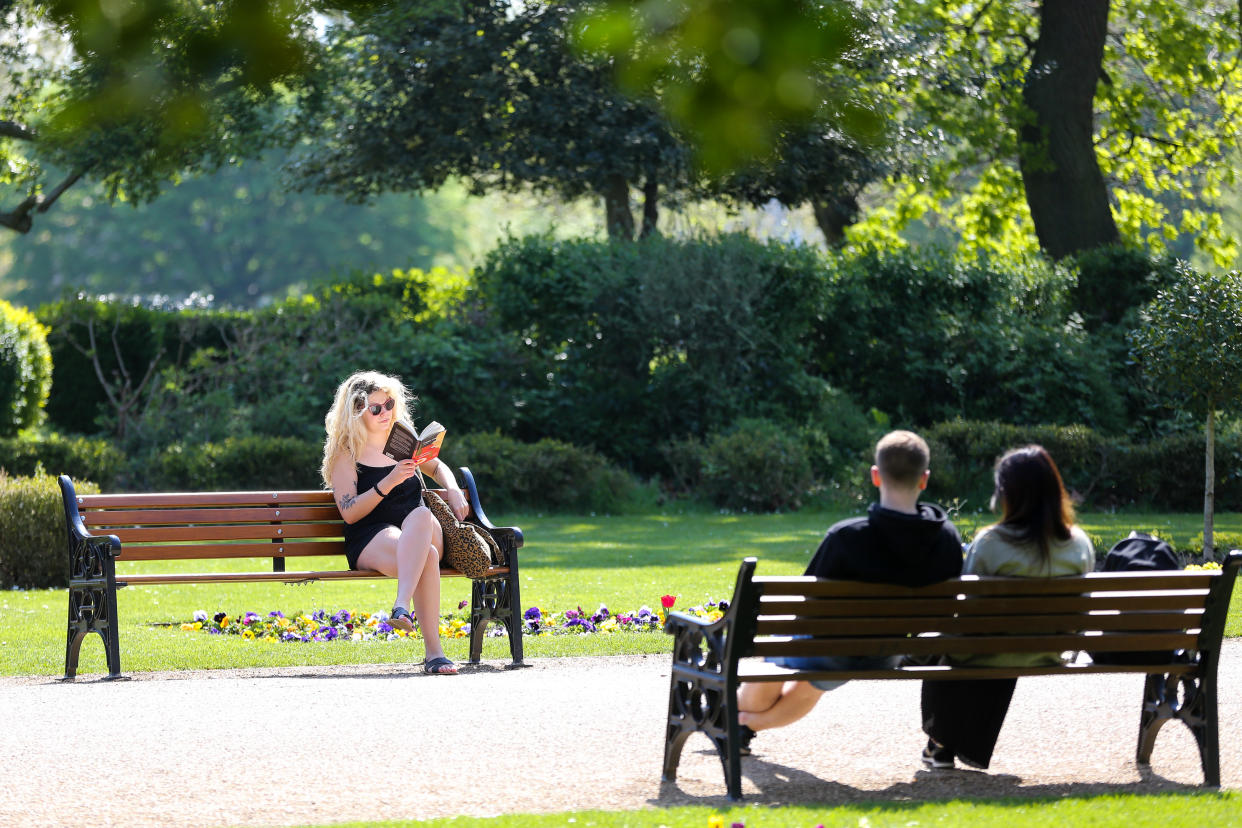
(966, 715)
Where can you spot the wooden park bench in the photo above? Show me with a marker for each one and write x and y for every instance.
(268, 525)
(1180, 613)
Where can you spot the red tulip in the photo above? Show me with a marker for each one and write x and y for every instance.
(668, 600)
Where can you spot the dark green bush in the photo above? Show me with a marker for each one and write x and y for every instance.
(683, 461)
(927, 338)
(1167, 473)
(129, 339)
(547, 474)
(33, 551)
(757, 466)
(25, 369)
(89, 458)
(1100, 471)
(235, 464)
(964, 454)
(670, 337)
(1113, 281)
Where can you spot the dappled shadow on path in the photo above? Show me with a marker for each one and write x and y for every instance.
(778, 784)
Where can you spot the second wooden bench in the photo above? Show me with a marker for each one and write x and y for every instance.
(1180, 613)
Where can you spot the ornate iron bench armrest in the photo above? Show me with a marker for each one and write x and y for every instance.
(698, 644)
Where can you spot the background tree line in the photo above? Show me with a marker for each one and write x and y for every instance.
(567, 368)
(1056, 124)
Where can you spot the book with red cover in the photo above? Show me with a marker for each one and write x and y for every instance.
(403, 443)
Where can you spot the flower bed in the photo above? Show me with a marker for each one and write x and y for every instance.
(354, 625)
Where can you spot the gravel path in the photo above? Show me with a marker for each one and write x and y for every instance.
(294, 746)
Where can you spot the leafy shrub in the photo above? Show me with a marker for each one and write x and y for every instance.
(964, 454)
(130, 339)
(757, 465)
(89, 458)
(1115, 280)
(1102, 471)
(683, 462)
(1167, 472)
(275, 369)
(1223, 541)
(547, 474)
(33, 554)
(671, 337)
(25, 369)
(993, 341)
(235, 464)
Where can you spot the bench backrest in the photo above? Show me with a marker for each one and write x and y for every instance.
(1099, 612)
(182, 526)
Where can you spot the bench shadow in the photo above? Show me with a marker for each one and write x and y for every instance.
(781, 784)
(414, 670)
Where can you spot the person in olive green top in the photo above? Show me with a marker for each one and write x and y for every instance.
(1035, 538)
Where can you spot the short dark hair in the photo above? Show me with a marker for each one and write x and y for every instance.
(902, 457)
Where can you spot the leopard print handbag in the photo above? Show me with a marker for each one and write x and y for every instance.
(469, 549)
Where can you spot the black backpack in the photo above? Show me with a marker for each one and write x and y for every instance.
(1139, 552)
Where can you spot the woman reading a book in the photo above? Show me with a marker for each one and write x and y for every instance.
(387, 527)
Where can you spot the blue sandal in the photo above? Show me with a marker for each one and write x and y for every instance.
(401, 619)
(440, 666)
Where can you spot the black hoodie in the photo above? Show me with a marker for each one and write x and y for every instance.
(889, 547)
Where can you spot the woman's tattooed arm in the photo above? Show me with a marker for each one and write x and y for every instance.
(346, 500)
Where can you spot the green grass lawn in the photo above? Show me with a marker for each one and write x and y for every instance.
(1131, 811)
(569, 561)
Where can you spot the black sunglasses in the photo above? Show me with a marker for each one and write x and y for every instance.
(376, 408)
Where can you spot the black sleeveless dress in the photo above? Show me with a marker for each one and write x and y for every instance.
(404, 498)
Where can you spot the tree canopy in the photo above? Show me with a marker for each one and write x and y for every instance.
(489, 92)
(1163, 121)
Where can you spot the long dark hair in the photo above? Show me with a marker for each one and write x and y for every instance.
(1032, 499)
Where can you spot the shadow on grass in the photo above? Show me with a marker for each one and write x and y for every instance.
(782, 785)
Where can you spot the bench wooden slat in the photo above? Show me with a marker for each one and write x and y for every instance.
(279, 577)
(1020, 605)
(763, 671)
(248, 531)
(200, 499)
(982, 585)
(1188, 619)
(980, 644)
(198, 552)
(171, 517)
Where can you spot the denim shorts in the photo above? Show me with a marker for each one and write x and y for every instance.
(834, 663)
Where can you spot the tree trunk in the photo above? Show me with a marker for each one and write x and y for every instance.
(1064, 187)
(833, 215)
(1209, 487)
(651, 207)
(617, 213)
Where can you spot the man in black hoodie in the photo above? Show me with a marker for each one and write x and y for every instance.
(900, 541)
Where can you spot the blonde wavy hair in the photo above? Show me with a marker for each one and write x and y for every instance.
(346, 433)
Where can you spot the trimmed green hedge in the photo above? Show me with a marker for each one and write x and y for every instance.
(235, 464)
(91, 459)
(1103, 472)
(547, 474)
(33, 554)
